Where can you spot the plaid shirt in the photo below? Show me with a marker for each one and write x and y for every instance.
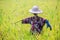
(37, 24)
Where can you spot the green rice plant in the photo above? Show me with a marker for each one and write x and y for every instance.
(12, 11)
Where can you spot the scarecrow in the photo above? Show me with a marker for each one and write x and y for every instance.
(36, 22)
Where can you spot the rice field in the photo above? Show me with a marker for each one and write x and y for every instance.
(12, 11)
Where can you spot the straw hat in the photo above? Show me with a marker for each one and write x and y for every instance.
(35, 9)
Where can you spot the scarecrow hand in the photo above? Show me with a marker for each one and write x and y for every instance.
(22, 21)
(50, 28)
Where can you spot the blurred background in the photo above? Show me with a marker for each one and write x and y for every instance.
(12, 11)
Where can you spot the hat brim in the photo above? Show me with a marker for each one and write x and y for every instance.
(35, 12)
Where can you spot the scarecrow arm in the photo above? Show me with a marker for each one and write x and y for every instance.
(48, 24)
(25, 21)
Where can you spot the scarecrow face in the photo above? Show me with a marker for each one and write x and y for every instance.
(35, 14)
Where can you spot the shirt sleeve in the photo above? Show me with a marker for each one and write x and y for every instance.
(48, 24)
(26, 20)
